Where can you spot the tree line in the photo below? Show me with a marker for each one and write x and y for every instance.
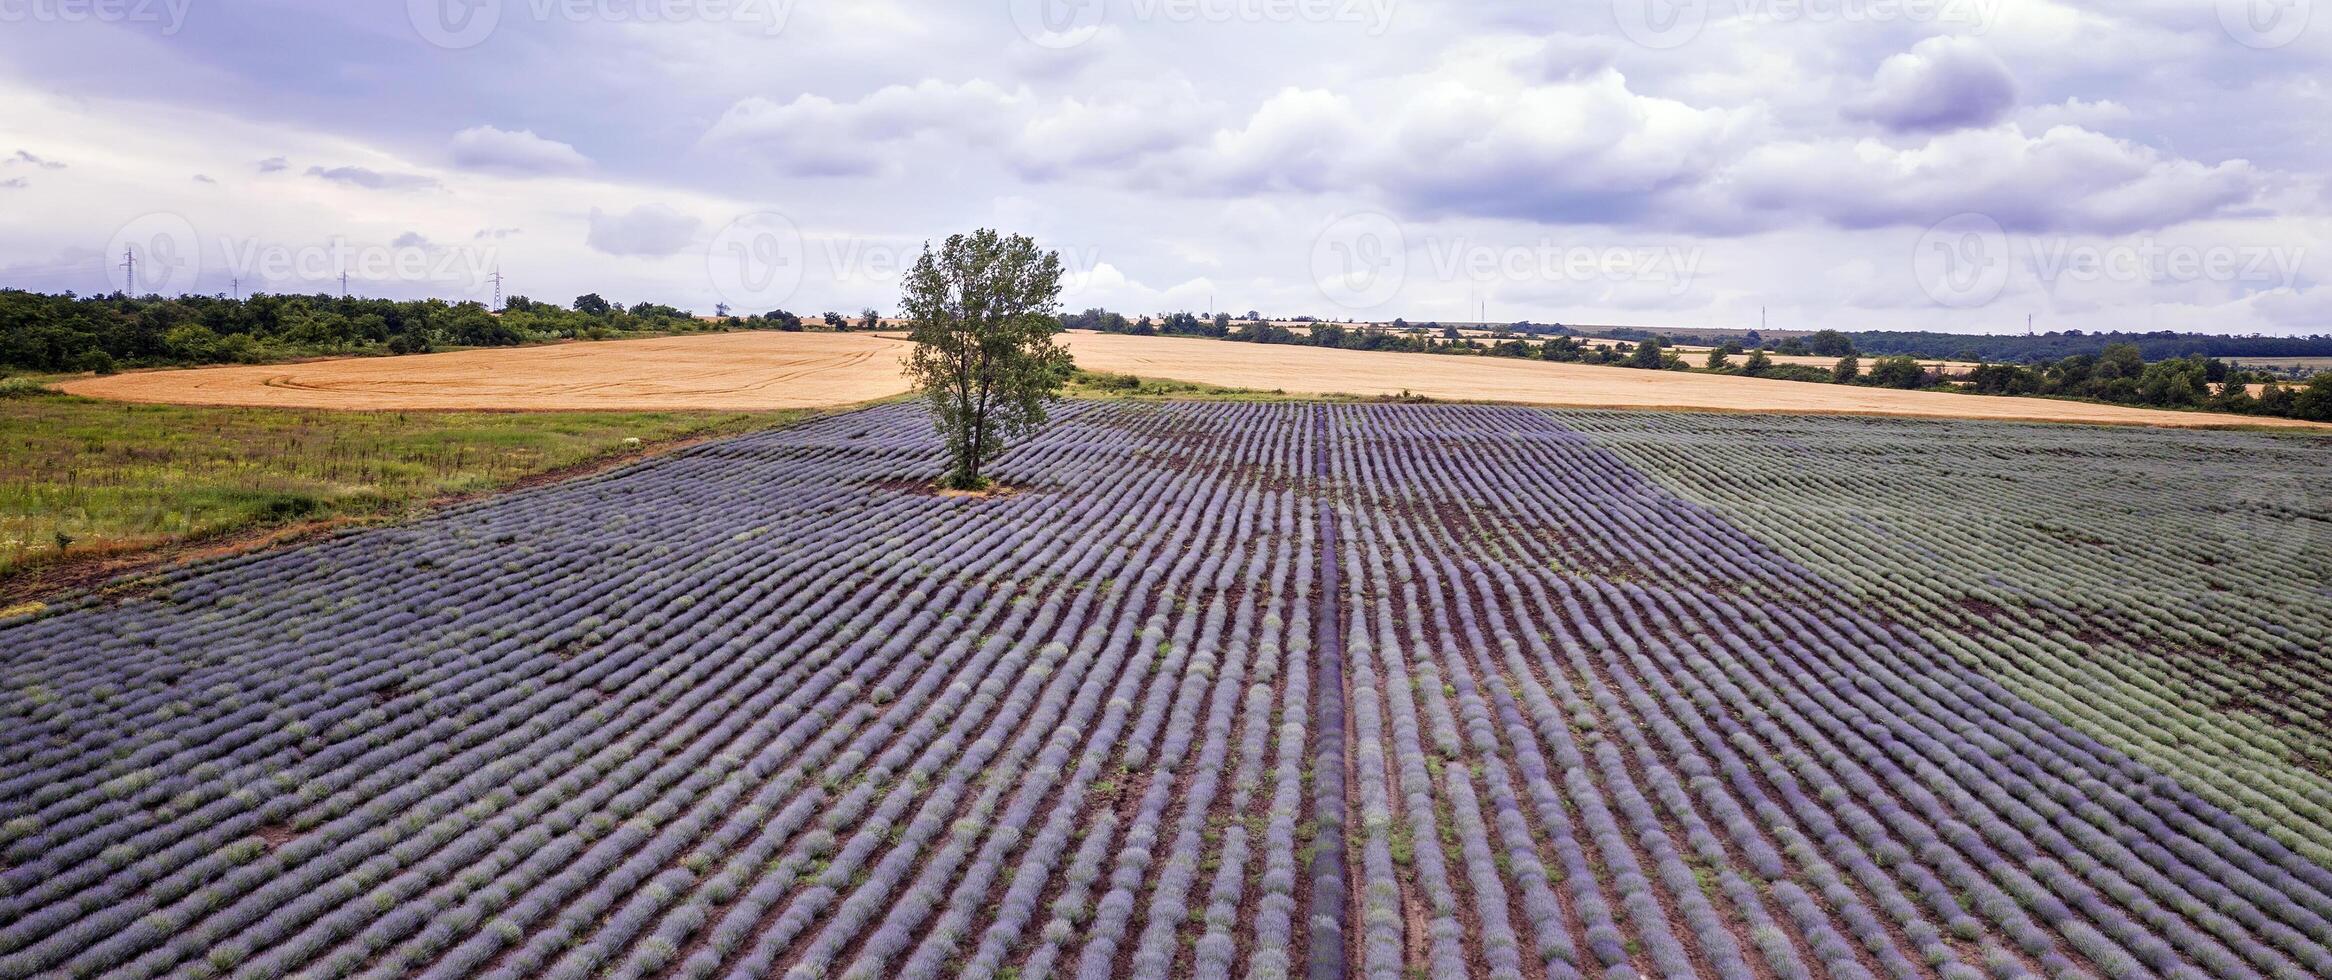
(2118, 372)
(59, 333)
(2053, 347)
(2035, 349)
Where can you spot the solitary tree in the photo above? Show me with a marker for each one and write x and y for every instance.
(1717, 359)
(982, 312)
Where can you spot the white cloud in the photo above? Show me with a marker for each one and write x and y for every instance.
(1203, 157)
(2066, 178)
(371, 179)
(521, 152)
(1107, 286)
(26, 158)
(2293, 308)
(1942, 83)
(1117, 128)
(1493, 135)
(2099, 115)
(816, 136)
(1294, 141)
(650, 231)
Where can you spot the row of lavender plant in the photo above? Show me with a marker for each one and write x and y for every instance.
(1552, 512)
(740, 710)
(760, 709)
(350, 757)
(2175, 579)
(2060, 884)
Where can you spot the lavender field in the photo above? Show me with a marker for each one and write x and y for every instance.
(1225, 690)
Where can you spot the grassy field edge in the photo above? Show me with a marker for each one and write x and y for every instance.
(31, 580)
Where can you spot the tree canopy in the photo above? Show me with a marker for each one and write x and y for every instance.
(982, 313)
(44, 332)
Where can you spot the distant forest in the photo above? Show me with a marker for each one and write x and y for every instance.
(2101, 368)
(2161, 345)
(55, 333)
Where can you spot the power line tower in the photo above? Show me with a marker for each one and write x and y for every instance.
(343, 284)
(129, 267)
(497, 289)
(235, 288)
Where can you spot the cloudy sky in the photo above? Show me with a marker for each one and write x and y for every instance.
(1941, 164)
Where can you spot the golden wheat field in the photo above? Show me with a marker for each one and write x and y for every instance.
(721, 371)
(1314, 370)
(771, 370)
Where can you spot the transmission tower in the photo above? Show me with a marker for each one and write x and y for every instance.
(129, 267)
(497, 289)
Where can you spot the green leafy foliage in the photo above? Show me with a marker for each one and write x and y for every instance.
(51, 333)
(982, 315)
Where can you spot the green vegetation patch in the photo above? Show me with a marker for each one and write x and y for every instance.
(81, 477)
(2162, 590)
